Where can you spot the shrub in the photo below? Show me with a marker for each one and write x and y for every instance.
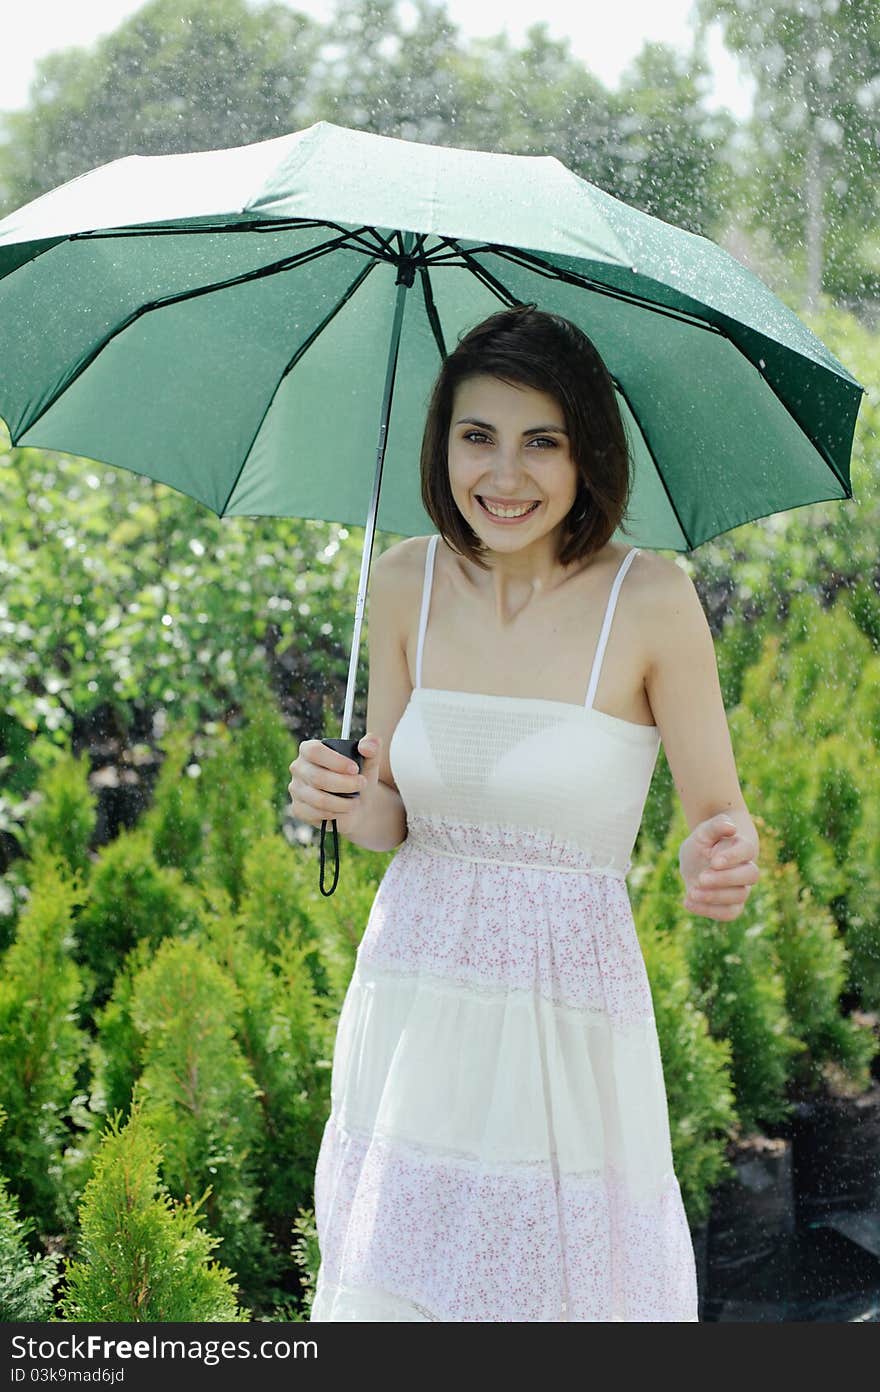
(695, 1070)
(264, 743)
(287, 1042)
(173, 820)
(142, 1257)
(41, 1044)
(117, 1050)
(26, 1281)
(735, 982)
(63, 819)
(858, 910)
(238, 810)
(273, 901)
(813, 959)
(197, 1089)
(307, 1256)
(131, 898)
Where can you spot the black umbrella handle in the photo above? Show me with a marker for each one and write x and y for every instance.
(348, 747)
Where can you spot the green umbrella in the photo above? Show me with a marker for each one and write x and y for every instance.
(235, 323)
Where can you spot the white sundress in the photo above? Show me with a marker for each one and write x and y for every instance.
(498, 1145)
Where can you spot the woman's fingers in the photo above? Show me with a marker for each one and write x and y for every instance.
(720, 911)
(717, 903)
(743, 874)
(720, 896)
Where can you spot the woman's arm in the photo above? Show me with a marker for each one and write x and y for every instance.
(378, 822)
(718, 866)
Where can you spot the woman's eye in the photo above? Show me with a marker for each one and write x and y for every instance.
(539, 440)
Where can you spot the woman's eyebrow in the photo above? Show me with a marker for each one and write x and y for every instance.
(532, 430)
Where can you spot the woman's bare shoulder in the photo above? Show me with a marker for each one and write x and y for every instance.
(399, 570)
(404, 559)
(667, 602)
(650, 569)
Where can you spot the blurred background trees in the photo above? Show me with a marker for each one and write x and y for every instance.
(797, 183)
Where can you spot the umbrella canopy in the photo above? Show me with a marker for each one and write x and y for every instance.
(220, 322)
(235, 323)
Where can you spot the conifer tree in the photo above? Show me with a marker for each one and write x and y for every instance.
(26, 1281)
(142, 1257)
(200, 1094)
(41, 1045)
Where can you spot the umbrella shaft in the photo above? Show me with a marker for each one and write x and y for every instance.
(370, 528)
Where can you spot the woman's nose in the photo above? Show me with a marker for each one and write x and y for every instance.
(508, 470)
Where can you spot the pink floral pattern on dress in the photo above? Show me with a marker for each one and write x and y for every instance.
(448, 1239)
(569, 937)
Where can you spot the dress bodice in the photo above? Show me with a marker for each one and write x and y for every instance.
(539, 782)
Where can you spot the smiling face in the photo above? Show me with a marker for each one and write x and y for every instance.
(508, 445)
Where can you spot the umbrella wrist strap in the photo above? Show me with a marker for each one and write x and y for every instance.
(335, 856)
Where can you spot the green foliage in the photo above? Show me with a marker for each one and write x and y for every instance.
(237, 804)
(858, 909)
(142, 1257)
(738, 985)
(734, 982)
(41, 1045)
(119, 590)
(274, 901)
(307, 1256)
(287, 1041)
(131, 898)
(26, 1280)
(667, 161)
(695, 1068)
(63, 820)
(812, 957)
(816, 109)
(838, 807)
(779, 767)
(197, 1088)
(172, 77)
(117, 1050)
(173, 821)
(264, 743)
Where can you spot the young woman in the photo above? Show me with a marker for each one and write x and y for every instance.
(498, 1146)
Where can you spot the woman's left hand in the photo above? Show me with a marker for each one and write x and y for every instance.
(718, 863)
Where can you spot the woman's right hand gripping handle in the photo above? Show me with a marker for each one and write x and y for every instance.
(318, 775)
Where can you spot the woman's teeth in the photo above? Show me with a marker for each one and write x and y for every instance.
(495, 511)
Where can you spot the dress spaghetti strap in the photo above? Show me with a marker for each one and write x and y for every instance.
(606, 626)
(427, 585)
(426, 601)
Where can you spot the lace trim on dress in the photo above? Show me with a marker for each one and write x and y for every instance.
(523, 864)
(424, 833)
(447, 984)
(467, 1160)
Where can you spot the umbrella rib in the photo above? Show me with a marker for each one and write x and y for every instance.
(534, 263)
(300, 352)
(150, 229)
(431, 311)
(485, 277)
(658, 471)
(275, 268)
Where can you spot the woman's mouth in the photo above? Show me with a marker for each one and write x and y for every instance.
(507, 514)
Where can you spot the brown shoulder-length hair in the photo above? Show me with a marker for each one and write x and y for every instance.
(531, 347)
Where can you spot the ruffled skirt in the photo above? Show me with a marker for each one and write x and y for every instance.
(498, 1144)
